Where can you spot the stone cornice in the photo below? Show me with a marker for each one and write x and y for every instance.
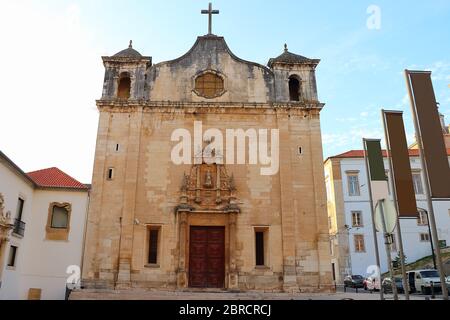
(218, 107)
(121, 60)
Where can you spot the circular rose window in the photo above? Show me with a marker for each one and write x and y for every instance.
(209, 85)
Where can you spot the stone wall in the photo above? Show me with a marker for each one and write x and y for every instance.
(146, 188)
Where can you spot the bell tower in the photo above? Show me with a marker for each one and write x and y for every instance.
(125, 75)
(295, 77)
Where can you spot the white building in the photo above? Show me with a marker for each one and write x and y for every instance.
(351, 236)
(350, 221)
(42, 223)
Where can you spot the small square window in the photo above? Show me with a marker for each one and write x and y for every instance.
(259, 243)
(12, 256)
(393, 243)
(417, 183)
(154, 239)
(353, 185)
(60, 218)
(422, 219)
(58, 221)
(261, 247)
(357, 220)
(19, 211)
(110, 174)
(359, 243)
(424, 237)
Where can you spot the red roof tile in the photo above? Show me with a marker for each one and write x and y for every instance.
(55, 178)
(360, 153)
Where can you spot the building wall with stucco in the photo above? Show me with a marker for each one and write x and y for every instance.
(134, 140)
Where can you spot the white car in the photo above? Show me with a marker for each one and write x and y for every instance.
(372, 284)
(423, 280)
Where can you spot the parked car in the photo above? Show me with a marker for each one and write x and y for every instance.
(372, 284)
(421, 280)
(447, 282)
(355, 281)
(387, 285)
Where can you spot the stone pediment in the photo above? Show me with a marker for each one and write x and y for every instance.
(208, 47)
(208, 188)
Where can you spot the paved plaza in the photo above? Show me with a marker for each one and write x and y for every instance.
(138, 294)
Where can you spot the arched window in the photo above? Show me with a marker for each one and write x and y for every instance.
(294, 88)
(60, 218)
(124, 88)
(209, 85)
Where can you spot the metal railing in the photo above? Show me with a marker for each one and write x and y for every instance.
(19, 227)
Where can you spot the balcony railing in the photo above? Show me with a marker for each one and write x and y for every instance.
(19, 227)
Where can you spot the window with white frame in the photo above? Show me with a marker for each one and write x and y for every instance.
(388, 181)
(417, 182)
(424, 237)
(422, 219)
(359, 243)
(12, 258)
(357, 220)
(353, 184)
(393, 243)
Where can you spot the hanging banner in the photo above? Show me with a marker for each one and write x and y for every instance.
(426, 114)
(377, 172)
(401, 167)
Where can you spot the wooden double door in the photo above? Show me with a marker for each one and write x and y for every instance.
(207, 257)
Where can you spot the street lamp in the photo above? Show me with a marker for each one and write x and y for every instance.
(429, 235)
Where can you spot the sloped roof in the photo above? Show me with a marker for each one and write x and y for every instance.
(291, 58)
(55, 178)
(128, 52)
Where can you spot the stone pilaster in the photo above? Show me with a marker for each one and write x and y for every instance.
(181, 272)
(233, 279)
(287, 209)
(320, 198)
(129, 202)
(5, 227)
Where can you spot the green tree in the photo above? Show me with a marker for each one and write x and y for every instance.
(396, 263)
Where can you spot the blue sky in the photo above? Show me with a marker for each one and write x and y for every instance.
(58, 44)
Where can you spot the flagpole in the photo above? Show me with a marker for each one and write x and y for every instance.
(374, 230)
(394, 196)
(388, 246)
(432, 220)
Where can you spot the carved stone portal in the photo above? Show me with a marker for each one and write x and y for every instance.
(5, 226)
(208, 187)
(207, 190)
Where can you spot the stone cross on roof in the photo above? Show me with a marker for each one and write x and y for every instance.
(210, 12)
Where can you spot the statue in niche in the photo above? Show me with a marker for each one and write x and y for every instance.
(208, 180)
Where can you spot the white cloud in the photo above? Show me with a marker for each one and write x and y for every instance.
(51, 76)
(364, 114)
(404, 103)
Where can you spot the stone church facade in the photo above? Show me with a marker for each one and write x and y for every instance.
(155, 224)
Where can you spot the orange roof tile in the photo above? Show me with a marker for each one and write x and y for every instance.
(55, 178)
(360, 153)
